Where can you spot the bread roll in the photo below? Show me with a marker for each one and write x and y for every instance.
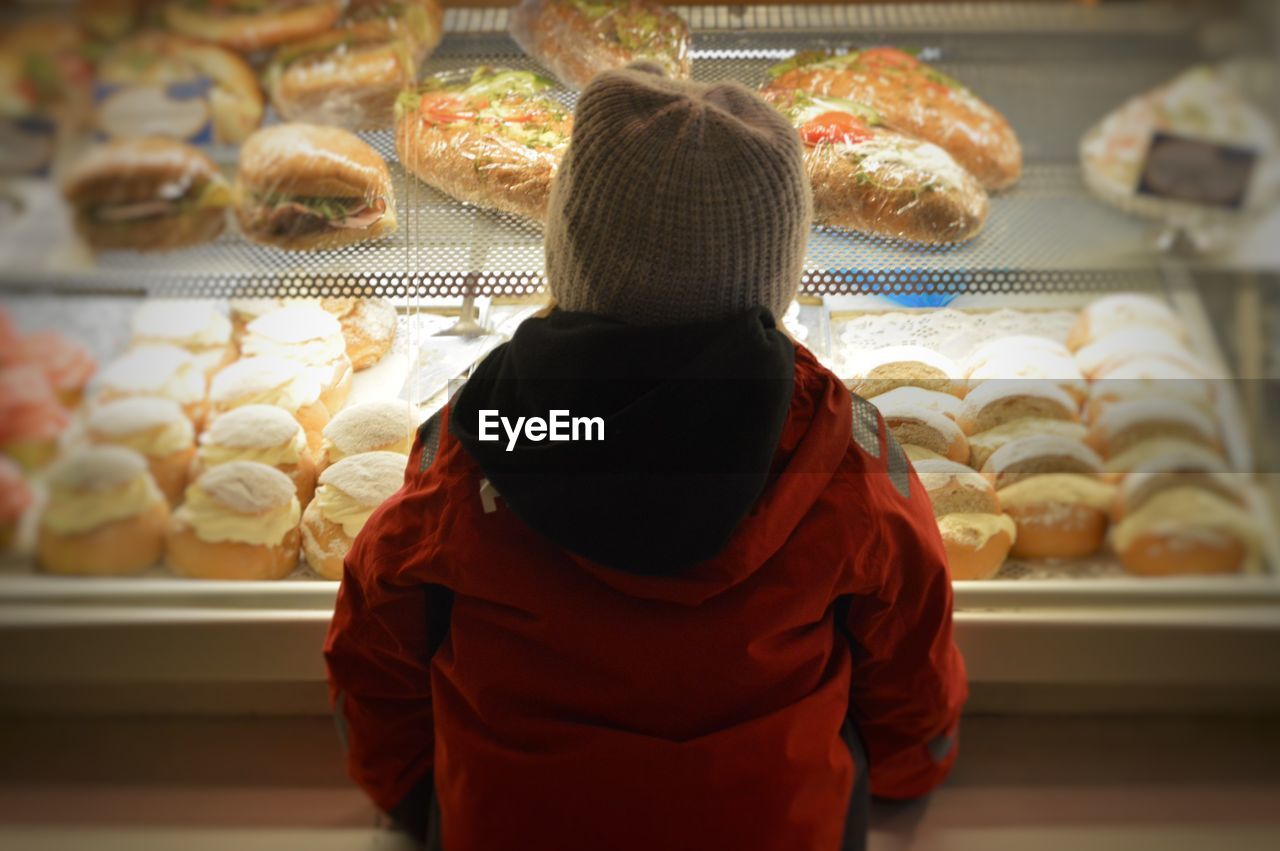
(274, 381)
(156, 429)
(159, 371)
(1148, 377)
(996, 402)
(977, 544)
(878, 371)
(1058, 515)
(931, 400)
(984, 443)
(1187, 530)
(916, 454)
(200, 327)
(1004, 349)
(104, 516)
(305, 333)
(261, 433)
(239, 521)
(368, 326)
(349, 492)
(912, 424)
(1035, 455)
(1028, 358)
(1123, 311)
(1120, 347)
(1189, 453)
(377, 426)
(955, 489)
(1167, 472)
(1126, 424)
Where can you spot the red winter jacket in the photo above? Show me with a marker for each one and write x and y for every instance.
(574, 706)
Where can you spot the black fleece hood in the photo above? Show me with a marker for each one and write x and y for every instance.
(691, 416)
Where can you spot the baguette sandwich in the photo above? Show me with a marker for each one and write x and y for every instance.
(577, 39)
(309, 188)
(491, 137)
(912, 98)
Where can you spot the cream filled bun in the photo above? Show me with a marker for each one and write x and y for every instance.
(996, 402)
(1120, 347)
(1187, 530)
(877, 371)
(304, 332)
(1027, 357)
(1038, 454)
(349, 492)
(1003, 349)
(1058, 515)
(916, 454)
(197, 326)
(942, 403)
(239, 521)
(245, 310)
(1150, 452)
(163, 371)
(262, 433)
(153, 427)
(915, 424)
(956, 489)
(274, 381)
(368, 326)
(983, 444)
(378, 426)
(1123, 311)
(104, 514)
(1127, 424)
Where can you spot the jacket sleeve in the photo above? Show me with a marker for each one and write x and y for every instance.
(378, 654)
(909, 681)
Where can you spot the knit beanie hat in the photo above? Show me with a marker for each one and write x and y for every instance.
(676, 202)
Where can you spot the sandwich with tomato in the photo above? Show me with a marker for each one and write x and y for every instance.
(868, 178)
(147, 193)
(304, 187)
(350, 76)
(490, 137)
(250, 25)
(577, 39)
(914, 98)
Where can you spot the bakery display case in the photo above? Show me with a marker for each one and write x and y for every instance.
(1041, 248)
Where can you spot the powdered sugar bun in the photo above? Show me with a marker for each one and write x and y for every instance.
(261, 433)
(1146, 377)
(915, 454)
(955, 489)
(200, 327)
(245, 310)
(154, 427)
(1122, 310)
(104, 516)
(244, 487)
(1009, 350)
(880, 370)
(273, 381)
(918, 397)
(1031, 456)
(1058, 515)
(984, 443)
(304, 332)
(368, 326)
(1126, 424)
(379, 425)
(913, 424)
(156, 370)
(1036, 366)
(996, 402)
(1187, 530)
(349, 492)
(1119, 347)
(368, 479)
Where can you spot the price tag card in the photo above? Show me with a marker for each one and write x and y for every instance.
(1178, 168)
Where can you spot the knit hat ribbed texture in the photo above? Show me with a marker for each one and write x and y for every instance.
(676, 202)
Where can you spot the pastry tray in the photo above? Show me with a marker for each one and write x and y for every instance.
(1056, 581)
(1046, 234)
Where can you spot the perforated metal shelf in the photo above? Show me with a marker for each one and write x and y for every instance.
(1045, 234)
